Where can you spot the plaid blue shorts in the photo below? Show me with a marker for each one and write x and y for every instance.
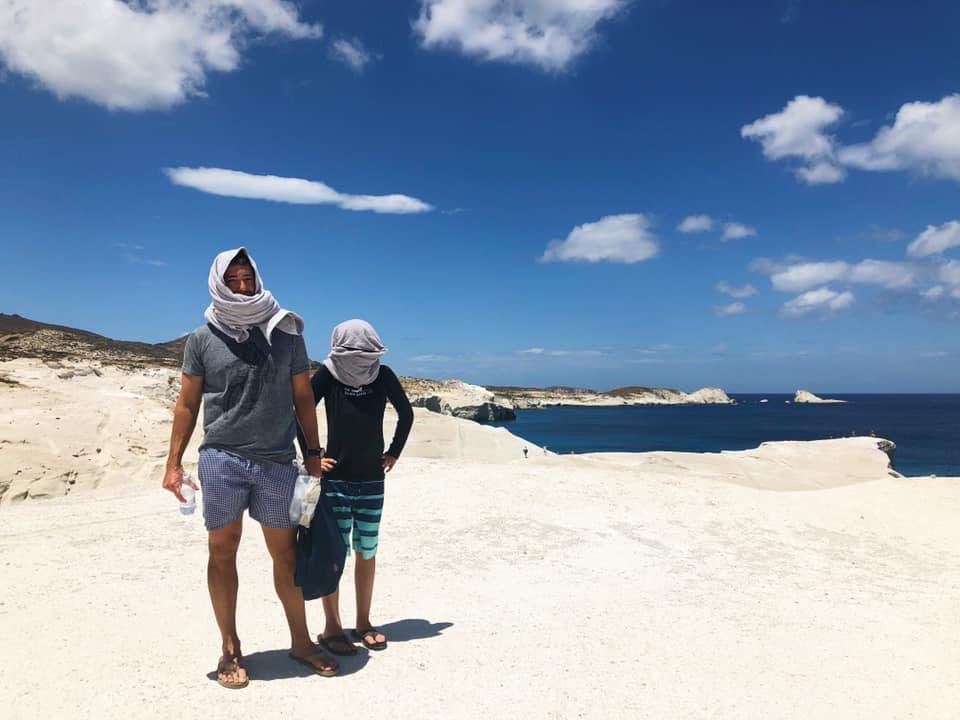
(232, 484)
(357, 505)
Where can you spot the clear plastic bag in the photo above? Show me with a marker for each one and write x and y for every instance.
(306, 495)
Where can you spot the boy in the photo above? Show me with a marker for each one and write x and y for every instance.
(355, 389)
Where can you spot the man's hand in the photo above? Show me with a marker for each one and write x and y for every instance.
(388, 462)
(173, 480)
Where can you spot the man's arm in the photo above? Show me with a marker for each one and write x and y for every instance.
(184, 421)
(306, 408)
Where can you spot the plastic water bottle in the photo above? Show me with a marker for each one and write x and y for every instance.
(189, 494)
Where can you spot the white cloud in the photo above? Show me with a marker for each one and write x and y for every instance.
(696, 224)
(531, 351)
(802, 276)
(934, 293)
(351, 53)
(805, 275)
(579, 353)
(949, 273)
(614, 238)
(430, 358)
(823, 300)
(548, 34)
(735, 292)
(799, 130)
(734, 308)
(821, 173)
(736, 231)
(935, 240)
(924, 138)
(149, 54)
(233, 183)
(891, 275)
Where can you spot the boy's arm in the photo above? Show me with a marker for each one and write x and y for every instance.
(398, 398)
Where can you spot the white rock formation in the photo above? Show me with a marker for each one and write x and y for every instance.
(803, 396)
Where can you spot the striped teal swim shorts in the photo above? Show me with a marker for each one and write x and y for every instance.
(357, 505)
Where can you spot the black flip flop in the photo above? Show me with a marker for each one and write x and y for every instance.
(332, 643)
(361, 637)
(305, 661)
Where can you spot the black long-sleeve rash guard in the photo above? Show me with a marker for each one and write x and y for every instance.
(355, 422)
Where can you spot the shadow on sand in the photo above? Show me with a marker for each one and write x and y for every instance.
(412, 629)
(275, 665)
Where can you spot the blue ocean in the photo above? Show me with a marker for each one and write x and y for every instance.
(925, 428)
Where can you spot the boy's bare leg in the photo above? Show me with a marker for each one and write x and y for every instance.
(331, 612)
(363, 575)
(223, 583)
(283, 549)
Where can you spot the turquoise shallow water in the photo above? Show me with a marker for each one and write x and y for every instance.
(926, 428)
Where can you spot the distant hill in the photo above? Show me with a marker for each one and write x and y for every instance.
(23, 337)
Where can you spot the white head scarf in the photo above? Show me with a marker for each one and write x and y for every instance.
(355, 353)
(235, 314)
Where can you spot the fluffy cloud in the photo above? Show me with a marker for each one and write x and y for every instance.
(531, 351)
(799, 277)
(614, 238)
(736, 231)
(233, 183)
(549, 34)
(924, 138)
(734, 308)
(696, 224)
(934, 293)
(935, 240)
(150, 54)
(949, 273)
(799, 131)
(891, 275)
(805, 275)
(351, 53)
(735, 292)
(821, 173)
(823, 300)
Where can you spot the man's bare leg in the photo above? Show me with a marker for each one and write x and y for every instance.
(283, 549)
(363, 575)
(222, 582)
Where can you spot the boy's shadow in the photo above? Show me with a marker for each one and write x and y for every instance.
(275, 665)
(413, 629)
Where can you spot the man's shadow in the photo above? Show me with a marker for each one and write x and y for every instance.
(275, 665)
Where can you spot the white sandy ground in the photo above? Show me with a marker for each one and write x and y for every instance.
(662, 585)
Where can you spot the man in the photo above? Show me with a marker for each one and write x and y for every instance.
(249, 366)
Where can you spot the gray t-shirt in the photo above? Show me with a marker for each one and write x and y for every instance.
(247, 394)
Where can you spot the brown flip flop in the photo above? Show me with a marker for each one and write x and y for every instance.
(229, 666)
(305, 661)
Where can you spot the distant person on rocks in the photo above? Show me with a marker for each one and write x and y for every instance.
(249, 366)
(355, 389)
(525, 451)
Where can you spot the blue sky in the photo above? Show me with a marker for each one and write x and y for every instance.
(527, 192)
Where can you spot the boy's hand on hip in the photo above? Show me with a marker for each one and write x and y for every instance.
(388, 462)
